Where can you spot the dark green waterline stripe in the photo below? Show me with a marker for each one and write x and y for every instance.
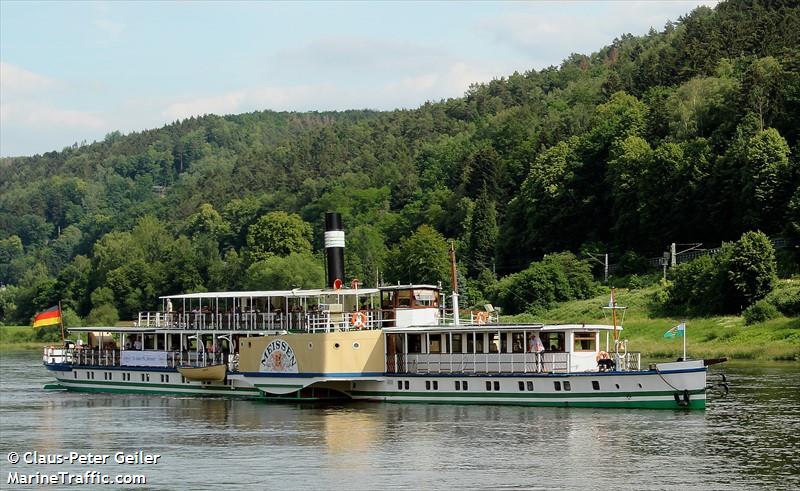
(226, 388)
(665, 404)
(257, 395)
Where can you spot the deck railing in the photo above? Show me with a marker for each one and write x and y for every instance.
(310, 321)
(114, 358)
(478, 363)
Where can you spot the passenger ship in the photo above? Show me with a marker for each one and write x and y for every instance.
(392, 343)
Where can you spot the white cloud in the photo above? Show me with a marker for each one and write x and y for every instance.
(26, 101)
(408, 92)
(544, 31)
(14, 79)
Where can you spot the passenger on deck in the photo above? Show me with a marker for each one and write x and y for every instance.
(535, 346)
(604, 362)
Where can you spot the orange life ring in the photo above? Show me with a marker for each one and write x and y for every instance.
(481, 317)
(358, 320)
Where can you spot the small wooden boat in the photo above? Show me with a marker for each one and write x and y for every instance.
(210, 373)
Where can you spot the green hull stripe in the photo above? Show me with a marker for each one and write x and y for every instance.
(665, 404)
(518, 395)
(257, 395)
(281, 386)
(156, 385)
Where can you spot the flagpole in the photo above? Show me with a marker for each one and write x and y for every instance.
(684, 340)
(61, 321)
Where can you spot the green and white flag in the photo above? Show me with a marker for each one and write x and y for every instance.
(676, 331)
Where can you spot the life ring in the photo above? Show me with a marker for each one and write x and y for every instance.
(358, 320)
(603, 355)
(481, 317)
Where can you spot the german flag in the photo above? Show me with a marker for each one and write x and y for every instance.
(48, 317)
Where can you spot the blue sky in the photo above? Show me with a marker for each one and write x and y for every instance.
(74, 71)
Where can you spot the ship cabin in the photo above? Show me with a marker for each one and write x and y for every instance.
(504, 349)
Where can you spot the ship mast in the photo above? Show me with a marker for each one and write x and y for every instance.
(454, 282)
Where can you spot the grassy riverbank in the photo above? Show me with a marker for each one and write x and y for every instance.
(708, 337)
(19, 338)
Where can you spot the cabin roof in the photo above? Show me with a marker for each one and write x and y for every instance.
(408, 287)
(296, 293)
(503, 327)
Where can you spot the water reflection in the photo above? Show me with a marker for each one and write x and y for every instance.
(748, 440)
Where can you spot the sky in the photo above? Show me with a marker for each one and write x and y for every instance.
(76, 71)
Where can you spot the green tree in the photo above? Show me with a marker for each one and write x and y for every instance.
(297, 270)
(752, 269)
(766, 177)
(483, 235)
(207, 221)
(420, 258)
(278, 233)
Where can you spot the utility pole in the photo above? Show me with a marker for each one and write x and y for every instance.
(604, 262)
(672, 255)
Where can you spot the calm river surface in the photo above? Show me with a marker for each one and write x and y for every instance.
(751, 439)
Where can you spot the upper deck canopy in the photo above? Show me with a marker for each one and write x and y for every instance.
(502, 327)
(297, 293)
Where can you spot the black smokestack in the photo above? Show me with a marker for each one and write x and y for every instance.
(334, 248)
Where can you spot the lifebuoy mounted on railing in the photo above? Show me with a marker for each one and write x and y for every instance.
(358, 319)
(481, 317)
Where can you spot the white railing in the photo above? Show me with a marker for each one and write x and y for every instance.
(310, 321)
(112, 358)
(477, 363)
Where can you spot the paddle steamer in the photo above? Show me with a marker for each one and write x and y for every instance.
(392, 343)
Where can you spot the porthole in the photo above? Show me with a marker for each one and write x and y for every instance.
(336, 345)
(356, 345)
(640, 386)
(249, 344)
(310, 345)
(616, 385)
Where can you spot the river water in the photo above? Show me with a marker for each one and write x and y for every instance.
(750, 439)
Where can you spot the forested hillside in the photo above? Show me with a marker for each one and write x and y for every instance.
(689, 134)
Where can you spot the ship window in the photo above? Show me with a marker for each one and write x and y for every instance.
(557, 386)
(497, 386)
(479, 342)
(75, 374)
(399, 385)
(406, 384)
(464, 385)
(488, 385)
(166, 377)
(553, 341)
(436, 343)
(518, 342)
(584, 341)
(424, 298)
(567, 386)
(427, 385)
(494, 342)
(595, 385)
(530, 385)
(404, 298)
(435, 385)
(458, 385)
(521, 385)
(456, 348)
(415, 343)
(142, 375)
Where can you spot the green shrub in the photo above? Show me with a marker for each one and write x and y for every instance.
(786, 299)
(760, 311)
